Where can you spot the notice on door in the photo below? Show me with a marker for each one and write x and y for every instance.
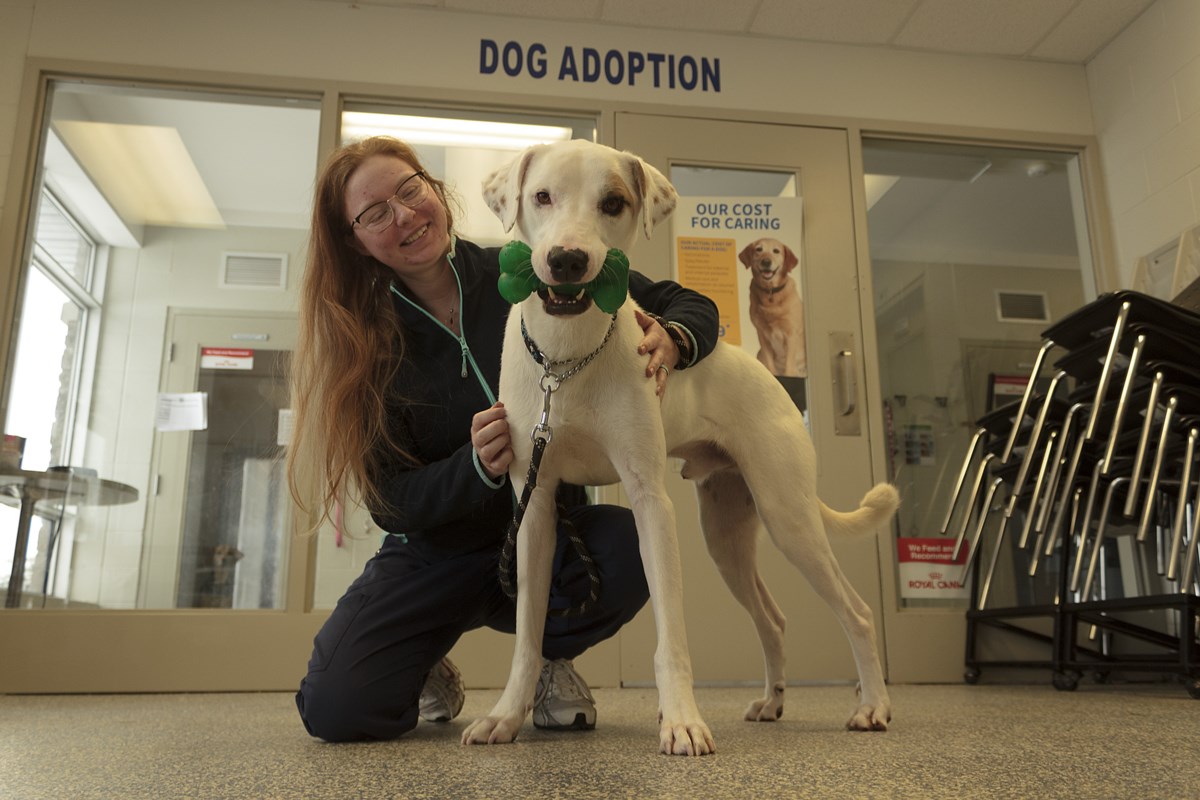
(929, 570)
(708, 266)
(226, 358)
(744, 253)
(187, 411)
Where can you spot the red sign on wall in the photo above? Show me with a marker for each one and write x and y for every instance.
(226, 358)
(929, 570)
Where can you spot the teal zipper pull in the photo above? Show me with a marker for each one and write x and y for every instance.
(463, 343)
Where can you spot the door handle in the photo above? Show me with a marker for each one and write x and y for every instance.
(844, 360)
(847, 394)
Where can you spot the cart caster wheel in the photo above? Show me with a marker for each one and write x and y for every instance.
(1101, 676)
(1065, 682)
(971, 676)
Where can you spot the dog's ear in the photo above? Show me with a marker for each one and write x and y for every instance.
(789, 259)
(657, 194)
(747, 254)
(502, 189)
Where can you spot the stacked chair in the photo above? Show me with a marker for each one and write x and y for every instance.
(1089, 485)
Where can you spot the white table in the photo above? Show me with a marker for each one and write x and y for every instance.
(59, 486)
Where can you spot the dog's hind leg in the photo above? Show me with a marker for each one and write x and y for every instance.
(730, 523)
(798, 531)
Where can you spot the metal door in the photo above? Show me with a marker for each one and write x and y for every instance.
(813, 164)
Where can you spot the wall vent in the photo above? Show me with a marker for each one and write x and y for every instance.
(1022, 307)
(254, 271)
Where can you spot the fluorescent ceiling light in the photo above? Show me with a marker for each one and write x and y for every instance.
(72, 187)
(145, 171)
(449, 132)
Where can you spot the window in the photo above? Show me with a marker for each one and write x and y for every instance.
(54, 316)
(974, 249)
(56, 310)
(142, 192)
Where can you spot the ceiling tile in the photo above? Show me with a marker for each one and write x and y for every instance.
(991, 27)
(728, 16)
(1087, 29)
(848, 21)
(395, 3)
(538, 9)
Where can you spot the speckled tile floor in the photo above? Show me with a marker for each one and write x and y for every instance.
(956, 741)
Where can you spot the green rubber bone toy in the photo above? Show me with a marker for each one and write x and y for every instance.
(608, 290)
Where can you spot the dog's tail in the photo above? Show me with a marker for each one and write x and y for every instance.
(877, 507)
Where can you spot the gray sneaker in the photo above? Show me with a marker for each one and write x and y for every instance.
(563, 701)
(443, 694)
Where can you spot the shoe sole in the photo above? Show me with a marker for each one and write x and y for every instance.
(579, 724)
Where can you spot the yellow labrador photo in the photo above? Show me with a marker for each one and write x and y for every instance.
(776, 311)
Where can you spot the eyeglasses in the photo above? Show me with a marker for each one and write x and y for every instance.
(410, 193)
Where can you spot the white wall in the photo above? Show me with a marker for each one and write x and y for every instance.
(1145, 90)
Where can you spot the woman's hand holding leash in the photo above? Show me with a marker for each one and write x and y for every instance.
(489, 437)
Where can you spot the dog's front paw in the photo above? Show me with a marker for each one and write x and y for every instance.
(768, 709)
(870, 718)
(685, 739)
(492, 730)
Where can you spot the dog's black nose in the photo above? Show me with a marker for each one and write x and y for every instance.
(567, 266)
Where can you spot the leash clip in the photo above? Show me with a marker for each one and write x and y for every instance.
(549, 383)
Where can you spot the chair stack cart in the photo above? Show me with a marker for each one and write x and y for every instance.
(1089, 484)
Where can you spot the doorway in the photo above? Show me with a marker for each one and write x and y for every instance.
(793, 184)
(219, 525)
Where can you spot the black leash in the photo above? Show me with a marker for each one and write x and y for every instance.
(541, 435)
(508, 561)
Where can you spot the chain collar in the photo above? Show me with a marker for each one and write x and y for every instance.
(550, 366)
(551, 380)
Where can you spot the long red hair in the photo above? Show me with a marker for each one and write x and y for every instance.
(350, 344)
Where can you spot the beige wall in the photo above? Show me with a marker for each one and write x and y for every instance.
(16, 17)
(1145, 90)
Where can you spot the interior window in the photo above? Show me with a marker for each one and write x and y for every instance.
(975, 250)
(156, 205)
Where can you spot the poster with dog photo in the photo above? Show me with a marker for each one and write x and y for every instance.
(744, 253)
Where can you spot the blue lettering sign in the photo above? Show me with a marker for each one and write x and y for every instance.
(616, 67)
(568, 69)
(488, 56)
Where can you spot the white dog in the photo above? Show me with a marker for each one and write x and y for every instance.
(571, 202)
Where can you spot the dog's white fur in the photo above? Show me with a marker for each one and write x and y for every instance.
(608, 426)
(776, 311)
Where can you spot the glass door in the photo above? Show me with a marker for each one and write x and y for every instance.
(220, 521)
(775, 201)
(975, 250)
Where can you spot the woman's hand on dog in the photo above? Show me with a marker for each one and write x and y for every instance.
(663, 352)
(489, 437)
